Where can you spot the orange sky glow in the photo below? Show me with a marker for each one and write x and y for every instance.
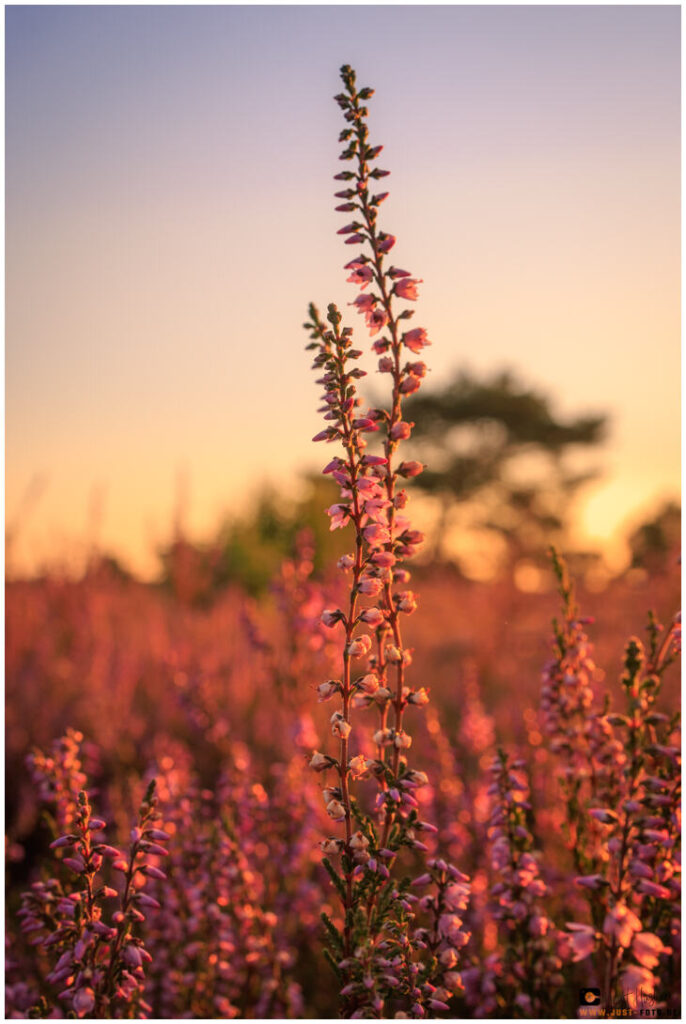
(169, 214)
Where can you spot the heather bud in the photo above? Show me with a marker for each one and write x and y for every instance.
(320, 762)
(328, 689)
(339, 726)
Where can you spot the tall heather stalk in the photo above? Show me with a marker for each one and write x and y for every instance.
(393, 952)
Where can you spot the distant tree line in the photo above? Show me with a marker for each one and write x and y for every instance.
(499, 459)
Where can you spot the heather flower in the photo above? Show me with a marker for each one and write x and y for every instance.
(582, 939)
(406, 288)
(320, 762)
(98, 959)
(647, 949)
(621, 924)
(415, 339)
(372, 950)
(615, 778)
(531, 940)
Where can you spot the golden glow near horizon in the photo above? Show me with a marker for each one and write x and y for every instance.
(169, 216)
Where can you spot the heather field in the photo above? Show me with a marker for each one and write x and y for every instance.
(220, 706)
(317, 769)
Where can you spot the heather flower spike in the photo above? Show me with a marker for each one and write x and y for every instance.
(87, 928)
(394, 954)
(620, 778)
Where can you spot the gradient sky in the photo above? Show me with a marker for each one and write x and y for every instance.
(169, 214)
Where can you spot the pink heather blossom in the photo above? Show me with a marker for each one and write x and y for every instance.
(417, 369)
(367, 486)
(360, 646)
(339, 514)
(640, 870)
(335, 809)
(380, 346)
(372, 616)
(83, 1001)
(359, 766)
(348, 229)
(620, 924)
(382, 695)
(603, 815)
(331, 846)
(647, 949)
(406, 287)
(361, 275)
(401, 430)
(407, 602)
(410, 385)
(653, 889)
(330, 617)
(385, 243)
(415, 339)
(590, 881)
(328, 689)
(373, 507)
(386, 365)
(365, 423)
(67, 840)
(339, 726)
(368, 683)
(395, 272)
(383, 737)
(410, 468)
(319, 762)
(358, 841)
(375, 533)
(76, 864)
(386, 559)
(582, 941)
(345, 562)
(146, 901)
(325, 435)
(109, 851)
(449, 925)
(364, 302)
(635, 979)
(376, 320)
(370, 585)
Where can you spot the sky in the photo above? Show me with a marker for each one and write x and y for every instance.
(169, 215)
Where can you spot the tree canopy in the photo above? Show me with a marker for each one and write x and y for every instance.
(498, 454)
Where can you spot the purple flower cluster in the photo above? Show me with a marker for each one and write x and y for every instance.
(219, 948)
(621, 780)
(87, 926)
(526, 975)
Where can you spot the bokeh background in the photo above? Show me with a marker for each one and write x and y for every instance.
(169, 215)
